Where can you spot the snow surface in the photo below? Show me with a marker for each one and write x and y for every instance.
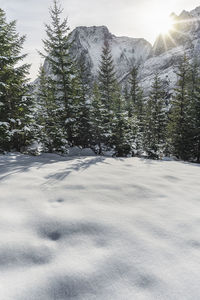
(98, 228)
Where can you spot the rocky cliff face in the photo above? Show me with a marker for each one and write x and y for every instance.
(184, 38)
(88, 42)
(161, 58)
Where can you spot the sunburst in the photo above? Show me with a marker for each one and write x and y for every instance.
(172, 27)
(166, 25)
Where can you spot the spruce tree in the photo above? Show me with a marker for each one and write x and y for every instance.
(135, 93)
(83, 132)
(196, 116)
(136, 109)
(180, 125)
(156, 120)
(96, 121)
(107, 77)
(194, 108)
(109, 91)
(122, 135)
(50, 131)
(126, 96)
(56, 47)
(16, 104)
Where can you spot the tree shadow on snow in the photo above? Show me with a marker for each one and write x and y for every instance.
(17, 163)
(79, 164)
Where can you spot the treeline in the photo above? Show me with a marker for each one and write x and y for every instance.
(67, 111)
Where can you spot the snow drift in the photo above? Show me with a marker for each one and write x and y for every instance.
(98, 228)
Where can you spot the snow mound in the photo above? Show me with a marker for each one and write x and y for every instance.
(93, 228)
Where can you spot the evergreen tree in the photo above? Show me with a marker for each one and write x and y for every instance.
(83, 107)
(108, 89)
(121, 130)
(16, 117)
(126, 96)
(135, 93)
(136, 109)
(107, 77)
(196, 132)
(180, 125)
(57, 55)
(156, 121)
(50, 133)
(96, 120)
(194, 109)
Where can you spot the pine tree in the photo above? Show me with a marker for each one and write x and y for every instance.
(50, 130)
(194, 108)
(122, 134)
(109, 91)
(15, 103)
(156, 120)
(96, 120)
(107, 77)
(126, 96)
(196, 116)
(57, 47)
(180, 126)
(136, 109)
(83, 134)
(135, 92)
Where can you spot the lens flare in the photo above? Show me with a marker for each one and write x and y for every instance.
(166, 25)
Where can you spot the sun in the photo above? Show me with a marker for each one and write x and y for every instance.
(159, 21)
(166, 25)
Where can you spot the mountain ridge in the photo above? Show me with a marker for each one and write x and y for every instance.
(158, 58)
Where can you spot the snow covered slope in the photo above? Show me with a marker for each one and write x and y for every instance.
(97, 228)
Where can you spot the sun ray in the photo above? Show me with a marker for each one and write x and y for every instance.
(172, 39)
(167, 35)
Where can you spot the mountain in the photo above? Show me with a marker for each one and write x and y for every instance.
(160, 58)
(184, 38)
(88, 42)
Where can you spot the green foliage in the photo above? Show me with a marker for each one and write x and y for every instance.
(135, 108)
(156, 120)
(66, 111)
(50, 130)
(111, 121)
(15, 105)
(121, 129)
(107, 78)
(96, 120)
(108, 91)
(83, 131)
(56, 47)
(180, 125)
(135, 97)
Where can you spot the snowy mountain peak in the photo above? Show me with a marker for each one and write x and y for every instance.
(88, 43)
(184, 30)
(161, 58)
(195, 12)
(168, 49)
(184, 14)
(101, 32)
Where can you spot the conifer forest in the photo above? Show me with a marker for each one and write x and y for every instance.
(66, 109)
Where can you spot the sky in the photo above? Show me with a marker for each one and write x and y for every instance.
(133, 18)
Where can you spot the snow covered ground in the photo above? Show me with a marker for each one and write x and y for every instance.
(94, 228)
